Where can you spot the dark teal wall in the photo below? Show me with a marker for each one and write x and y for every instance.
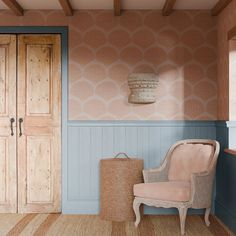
(225, 203)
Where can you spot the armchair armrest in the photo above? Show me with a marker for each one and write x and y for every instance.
(201, 189)
(155, 175)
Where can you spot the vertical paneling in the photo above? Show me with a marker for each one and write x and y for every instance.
(119, 139)
(73, 175)
(95, 156)
(225, 207)
(154, 157)
(88, 142)
(143, 143)
(131, 141)
(166, 140)
(85, 162)
(107, 141)
(205, 132)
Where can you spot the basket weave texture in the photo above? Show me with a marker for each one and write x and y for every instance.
(117, 178)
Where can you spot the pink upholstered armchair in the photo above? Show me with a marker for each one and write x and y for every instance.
(184, 180)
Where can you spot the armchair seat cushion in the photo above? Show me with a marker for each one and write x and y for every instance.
(178, 191)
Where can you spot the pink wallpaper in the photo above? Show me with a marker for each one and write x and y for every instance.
(226, 21)
(104, 50)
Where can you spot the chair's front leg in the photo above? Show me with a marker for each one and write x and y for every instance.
(182, 217)
(207, 213)
(136, 205)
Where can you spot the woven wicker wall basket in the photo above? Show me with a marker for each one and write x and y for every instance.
(117, 177)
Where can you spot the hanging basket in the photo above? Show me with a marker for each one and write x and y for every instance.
(143, 88)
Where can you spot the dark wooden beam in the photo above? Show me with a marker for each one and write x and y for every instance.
(14, 6)
(219, 7)
(66, 6)
(117, 7)
(168, 7)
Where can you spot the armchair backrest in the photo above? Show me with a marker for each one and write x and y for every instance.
(191, 156)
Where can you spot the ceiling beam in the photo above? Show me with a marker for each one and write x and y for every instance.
(117, 7)
(168, 7)
(66, 6)
(14, 6)
(232, 33)
(219, 7)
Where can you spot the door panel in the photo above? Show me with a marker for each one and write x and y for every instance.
(8, 185)
(39, 83)
(7, 171)
(39, 80)
(3, 80)
(7, 78)
(39, 105)
(39, 179)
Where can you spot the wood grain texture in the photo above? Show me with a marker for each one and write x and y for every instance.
(118, 228)
(87, 225)
(7, 79)
(46, 225)
(9, 220)
(15, 7)
(230, 151)
(168, 7)
(117, 7)
(146, 227)
(219, 7)
(217, 228)
(7, 111)
(19, 227)
(66, 6)
(39, 105)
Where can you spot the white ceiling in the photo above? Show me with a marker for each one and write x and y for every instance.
(108, 4)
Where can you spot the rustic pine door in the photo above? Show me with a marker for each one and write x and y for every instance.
(39, 121)
(30, 146)
(8, 167)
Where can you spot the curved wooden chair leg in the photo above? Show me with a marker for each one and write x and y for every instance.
(207, 213)
(136, 206)
(182, 217)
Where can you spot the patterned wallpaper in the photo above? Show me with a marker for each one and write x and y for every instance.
(226, 21)
(104, 50)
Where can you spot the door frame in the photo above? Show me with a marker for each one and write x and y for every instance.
(63, 31)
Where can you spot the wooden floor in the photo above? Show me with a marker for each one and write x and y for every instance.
(70, 225)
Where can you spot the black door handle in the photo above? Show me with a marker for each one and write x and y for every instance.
(20, 122)
(12, 120)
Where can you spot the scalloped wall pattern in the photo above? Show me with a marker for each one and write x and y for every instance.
(104, 50)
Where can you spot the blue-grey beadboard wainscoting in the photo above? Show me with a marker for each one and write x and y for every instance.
(90, 141)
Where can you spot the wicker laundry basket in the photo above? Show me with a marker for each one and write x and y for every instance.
(117, 177)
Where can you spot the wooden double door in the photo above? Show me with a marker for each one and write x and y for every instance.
(30, 123)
